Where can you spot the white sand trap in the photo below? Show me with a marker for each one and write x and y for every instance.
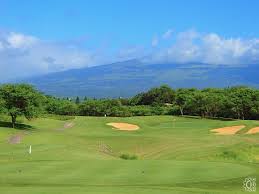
(253, 130)
(124, 126)
(228, 130)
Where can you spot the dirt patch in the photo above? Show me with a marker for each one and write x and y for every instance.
(253, 130)
(66, 126)
(124, 126)
(15, 139)
(228, 130)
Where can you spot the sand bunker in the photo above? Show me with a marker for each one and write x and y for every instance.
(228, 130)
(124, 126)
(253, 130)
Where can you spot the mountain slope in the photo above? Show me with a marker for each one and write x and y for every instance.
(127, 78)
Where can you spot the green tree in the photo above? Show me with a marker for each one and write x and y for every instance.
(1, 104)
(77, 100)
(155, 96)
(244, 101)
(183, 97)
(214, 101)
(20, 99)
(60, 106)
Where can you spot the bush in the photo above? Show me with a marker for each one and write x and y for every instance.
(120, 111)
(140, 110)
(128, 157)
(228, 154)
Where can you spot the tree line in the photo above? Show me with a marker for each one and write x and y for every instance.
(233, 102)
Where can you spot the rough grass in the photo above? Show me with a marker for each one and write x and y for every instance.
(173, 157)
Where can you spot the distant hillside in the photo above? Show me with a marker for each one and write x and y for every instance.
(128, 78)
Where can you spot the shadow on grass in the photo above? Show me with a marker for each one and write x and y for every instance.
(212, 118)
(19, 126)
(222, 119)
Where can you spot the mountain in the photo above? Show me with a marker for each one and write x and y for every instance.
(127, 78)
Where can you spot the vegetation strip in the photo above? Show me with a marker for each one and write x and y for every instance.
(234, 102)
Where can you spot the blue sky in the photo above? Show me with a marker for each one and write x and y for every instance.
(122, 22)
(105, 29)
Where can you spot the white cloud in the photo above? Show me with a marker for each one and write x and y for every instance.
(16, 40)
(131, 52)
(168, 34)
(1, 46)
(229, 51)
(154, 41)
(22, 55)
(191, 46)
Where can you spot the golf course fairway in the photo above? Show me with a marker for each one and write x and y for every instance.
(165, 155)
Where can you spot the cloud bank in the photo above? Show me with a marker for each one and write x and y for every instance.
(24, 55)
(210, 48)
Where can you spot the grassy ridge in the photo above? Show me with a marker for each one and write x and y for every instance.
(180, 156)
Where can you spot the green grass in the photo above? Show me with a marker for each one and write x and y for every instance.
(171, 157)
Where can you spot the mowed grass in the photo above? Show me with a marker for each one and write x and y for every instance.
(175, 155)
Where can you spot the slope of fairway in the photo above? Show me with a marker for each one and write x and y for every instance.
(175, 155)
(118, 173)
